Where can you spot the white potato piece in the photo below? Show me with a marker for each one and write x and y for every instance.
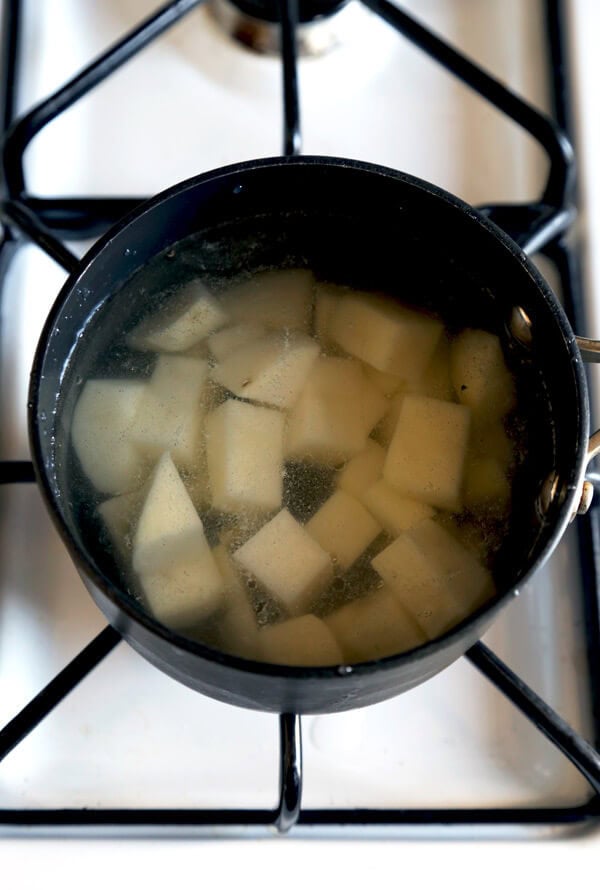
(222, 343)
(385, 429)
(277, 298)
(286, 561)
(102, 422)
(299, 641)
(462, 572)
(426, 457)
(335, 413)
(486, 485)
(373, 627)
(244, 450)
(437, 579)
(343, 528)
(489, 439)
(238, 630)
(184, 592)
(420, 586)
(190, 315)
(271, 369)
(389, 384)
(392, 511)
(389, 337)
(436, 381)
(479, 374)
(120, 515)
(169, 528)
(170, 413)
(326, 300)
(363, 470)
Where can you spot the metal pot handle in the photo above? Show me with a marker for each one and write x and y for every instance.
(590, 352)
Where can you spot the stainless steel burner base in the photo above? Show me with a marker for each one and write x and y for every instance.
(313, 38)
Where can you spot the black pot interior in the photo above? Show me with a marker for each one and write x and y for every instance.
(351, 224)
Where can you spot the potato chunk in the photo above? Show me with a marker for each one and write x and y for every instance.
(486, 485)
(384, 334)
(363, 470)
(186, 592)
(286, 561)
(169, 528)
(170, 414)
(426, 457)
(479, 374)
(222, 343)
(244, 450)
(392, 511)
(335, 413)
(435, 382)
(269, 369)
(277, 298)
(188, 317)
(238, 629)
(462, 572)
(436, 579)
(343, 528)
(373, 627)
(120, 515)
(299, 641)
(102, 422)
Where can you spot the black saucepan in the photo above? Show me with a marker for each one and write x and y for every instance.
(365, 226)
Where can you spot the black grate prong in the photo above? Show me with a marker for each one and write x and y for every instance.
(292, 140)
(581, 754)
(16, 471)
(290, 771)
(560, 183)
(26, 127)
(56, 690)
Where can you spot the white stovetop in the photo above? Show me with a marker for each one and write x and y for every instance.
(219, 104)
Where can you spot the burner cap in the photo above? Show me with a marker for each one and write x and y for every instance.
(322, 24)
(308, 10)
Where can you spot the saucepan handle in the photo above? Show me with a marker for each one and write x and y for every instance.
(590, 352)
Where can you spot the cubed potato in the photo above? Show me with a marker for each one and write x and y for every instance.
(486, 485)
(102, 422)
(286, 561)
(384, 334)
(299, 641)
(435, 382)
(244, 450)
(335, 413)
(389, 384)
(479, 374)
(426, 457)
(224, 342)
(326, 299)
(343, 528)
(169, 529)
(238, 629)
(184, 592)
(271, 369)
(420, 586)
(374, 626)
(490, 440)
(363, 470)
(392, 511)
(461, 571)
(277, 298)
(385, 429)
(171, 413)
(189, 316)
(120, 515)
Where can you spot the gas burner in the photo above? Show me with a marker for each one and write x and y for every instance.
(322, 24)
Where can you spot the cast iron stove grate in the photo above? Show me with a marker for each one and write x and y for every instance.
(539, 226)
